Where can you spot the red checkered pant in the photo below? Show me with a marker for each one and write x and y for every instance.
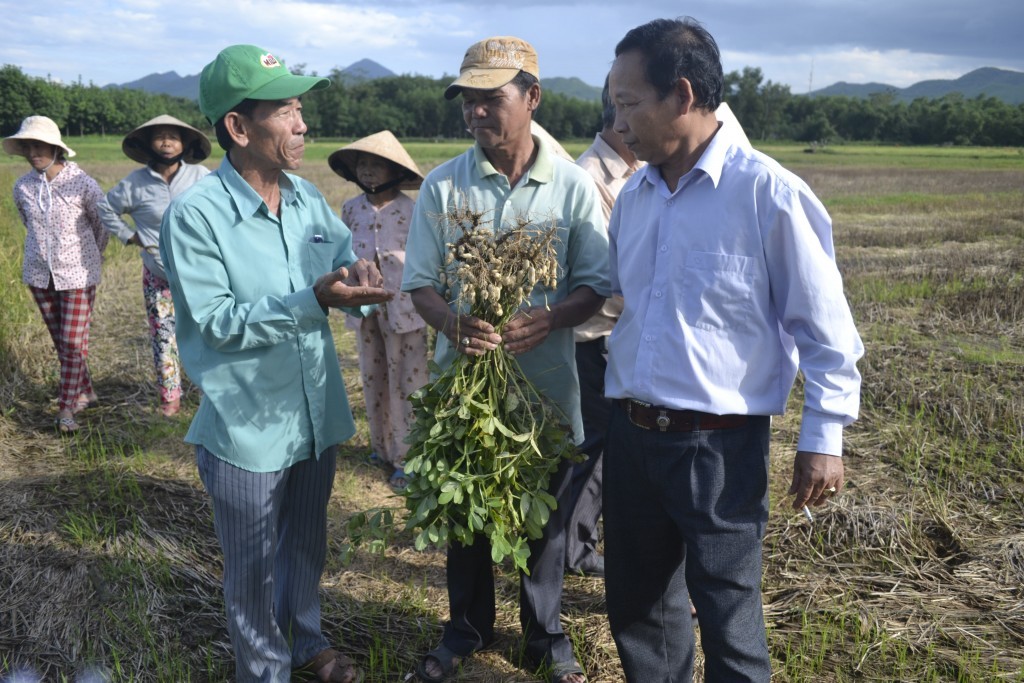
(67, 314)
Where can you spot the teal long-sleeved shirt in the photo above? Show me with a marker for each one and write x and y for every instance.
(250, 331)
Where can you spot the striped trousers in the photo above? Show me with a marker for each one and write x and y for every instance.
(67, 314)
(272, 529)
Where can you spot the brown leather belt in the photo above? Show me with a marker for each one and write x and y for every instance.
(646, 416)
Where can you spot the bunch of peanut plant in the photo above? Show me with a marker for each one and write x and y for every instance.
(485, 442)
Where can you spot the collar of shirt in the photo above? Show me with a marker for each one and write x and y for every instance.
(614, 165)
(246, 199)
(66, 175)
(711, 162)
(542, 170)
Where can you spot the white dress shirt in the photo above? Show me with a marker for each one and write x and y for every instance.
(730, 284)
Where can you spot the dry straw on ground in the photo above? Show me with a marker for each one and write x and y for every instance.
(915, 572)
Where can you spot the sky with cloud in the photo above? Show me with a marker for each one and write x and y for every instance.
(805, 44)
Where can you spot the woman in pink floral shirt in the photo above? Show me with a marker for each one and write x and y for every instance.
(57, 202)
(392, 343)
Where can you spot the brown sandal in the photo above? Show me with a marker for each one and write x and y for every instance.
(67, 425)
(343, 671)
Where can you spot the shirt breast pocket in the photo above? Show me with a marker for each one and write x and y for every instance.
(717, 291)
(321, 257)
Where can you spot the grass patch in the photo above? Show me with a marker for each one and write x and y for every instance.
(892, 156)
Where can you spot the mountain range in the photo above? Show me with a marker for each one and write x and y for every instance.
(170, 83)
(1002, 84)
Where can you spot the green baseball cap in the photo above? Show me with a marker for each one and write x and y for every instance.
(248, 72)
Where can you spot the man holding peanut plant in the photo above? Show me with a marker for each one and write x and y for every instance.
(726, 266)
(510, 176)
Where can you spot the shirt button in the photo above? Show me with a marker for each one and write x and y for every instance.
(658, 294)
(670, 202)
(648, 338)
(663, 248)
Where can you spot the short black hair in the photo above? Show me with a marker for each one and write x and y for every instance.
(246, 107)
(607, 107)
(524, 81)
(679, 48)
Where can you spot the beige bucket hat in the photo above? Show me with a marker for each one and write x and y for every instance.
(384, 144)
(492, 63)
(41, 128)
(195, 145)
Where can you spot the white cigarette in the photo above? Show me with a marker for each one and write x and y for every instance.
(807, 514)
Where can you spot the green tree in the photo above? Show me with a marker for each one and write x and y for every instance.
(15, 99)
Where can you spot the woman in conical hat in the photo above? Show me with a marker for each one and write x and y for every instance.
(171, 151)
(393, 342)
(57, 202)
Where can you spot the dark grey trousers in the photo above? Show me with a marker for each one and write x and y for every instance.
(470, 576)
(684, 518)
(585, 502)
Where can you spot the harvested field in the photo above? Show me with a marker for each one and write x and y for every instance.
(108, 562)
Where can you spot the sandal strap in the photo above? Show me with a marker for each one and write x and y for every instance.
(560, 670)
(447, 658)
(342, 665)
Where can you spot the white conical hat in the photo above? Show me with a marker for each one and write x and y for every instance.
(541, 132)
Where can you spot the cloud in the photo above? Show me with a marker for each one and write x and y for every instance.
(891, 41)
(814, 69)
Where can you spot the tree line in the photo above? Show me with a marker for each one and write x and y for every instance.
(413, 107)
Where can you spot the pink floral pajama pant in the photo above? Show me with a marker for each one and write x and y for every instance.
(393, 366)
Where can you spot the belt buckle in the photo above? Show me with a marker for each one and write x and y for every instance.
(663, 420)
(630, 402)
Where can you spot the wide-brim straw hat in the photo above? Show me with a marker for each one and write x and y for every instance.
(384, 144)
(195, 145)
(41, 128)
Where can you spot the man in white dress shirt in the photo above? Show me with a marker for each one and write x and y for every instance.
(726, 265)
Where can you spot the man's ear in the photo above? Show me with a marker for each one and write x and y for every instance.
(684, 91)
(533, 97)
(236, 126)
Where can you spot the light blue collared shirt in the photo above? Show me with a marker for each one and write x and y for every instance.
(250, 331)
(144, 195)
(730, 285)
(553, 189)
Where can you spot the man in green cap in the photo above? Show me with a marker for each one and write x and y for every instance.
(255, 258)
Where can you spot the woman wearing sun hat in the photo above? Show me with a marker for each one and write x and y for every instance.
(63, 247)
(171, 151)
(393, 342)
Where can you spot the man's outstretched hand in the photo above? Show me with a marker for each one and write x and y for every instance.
(359, 285)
